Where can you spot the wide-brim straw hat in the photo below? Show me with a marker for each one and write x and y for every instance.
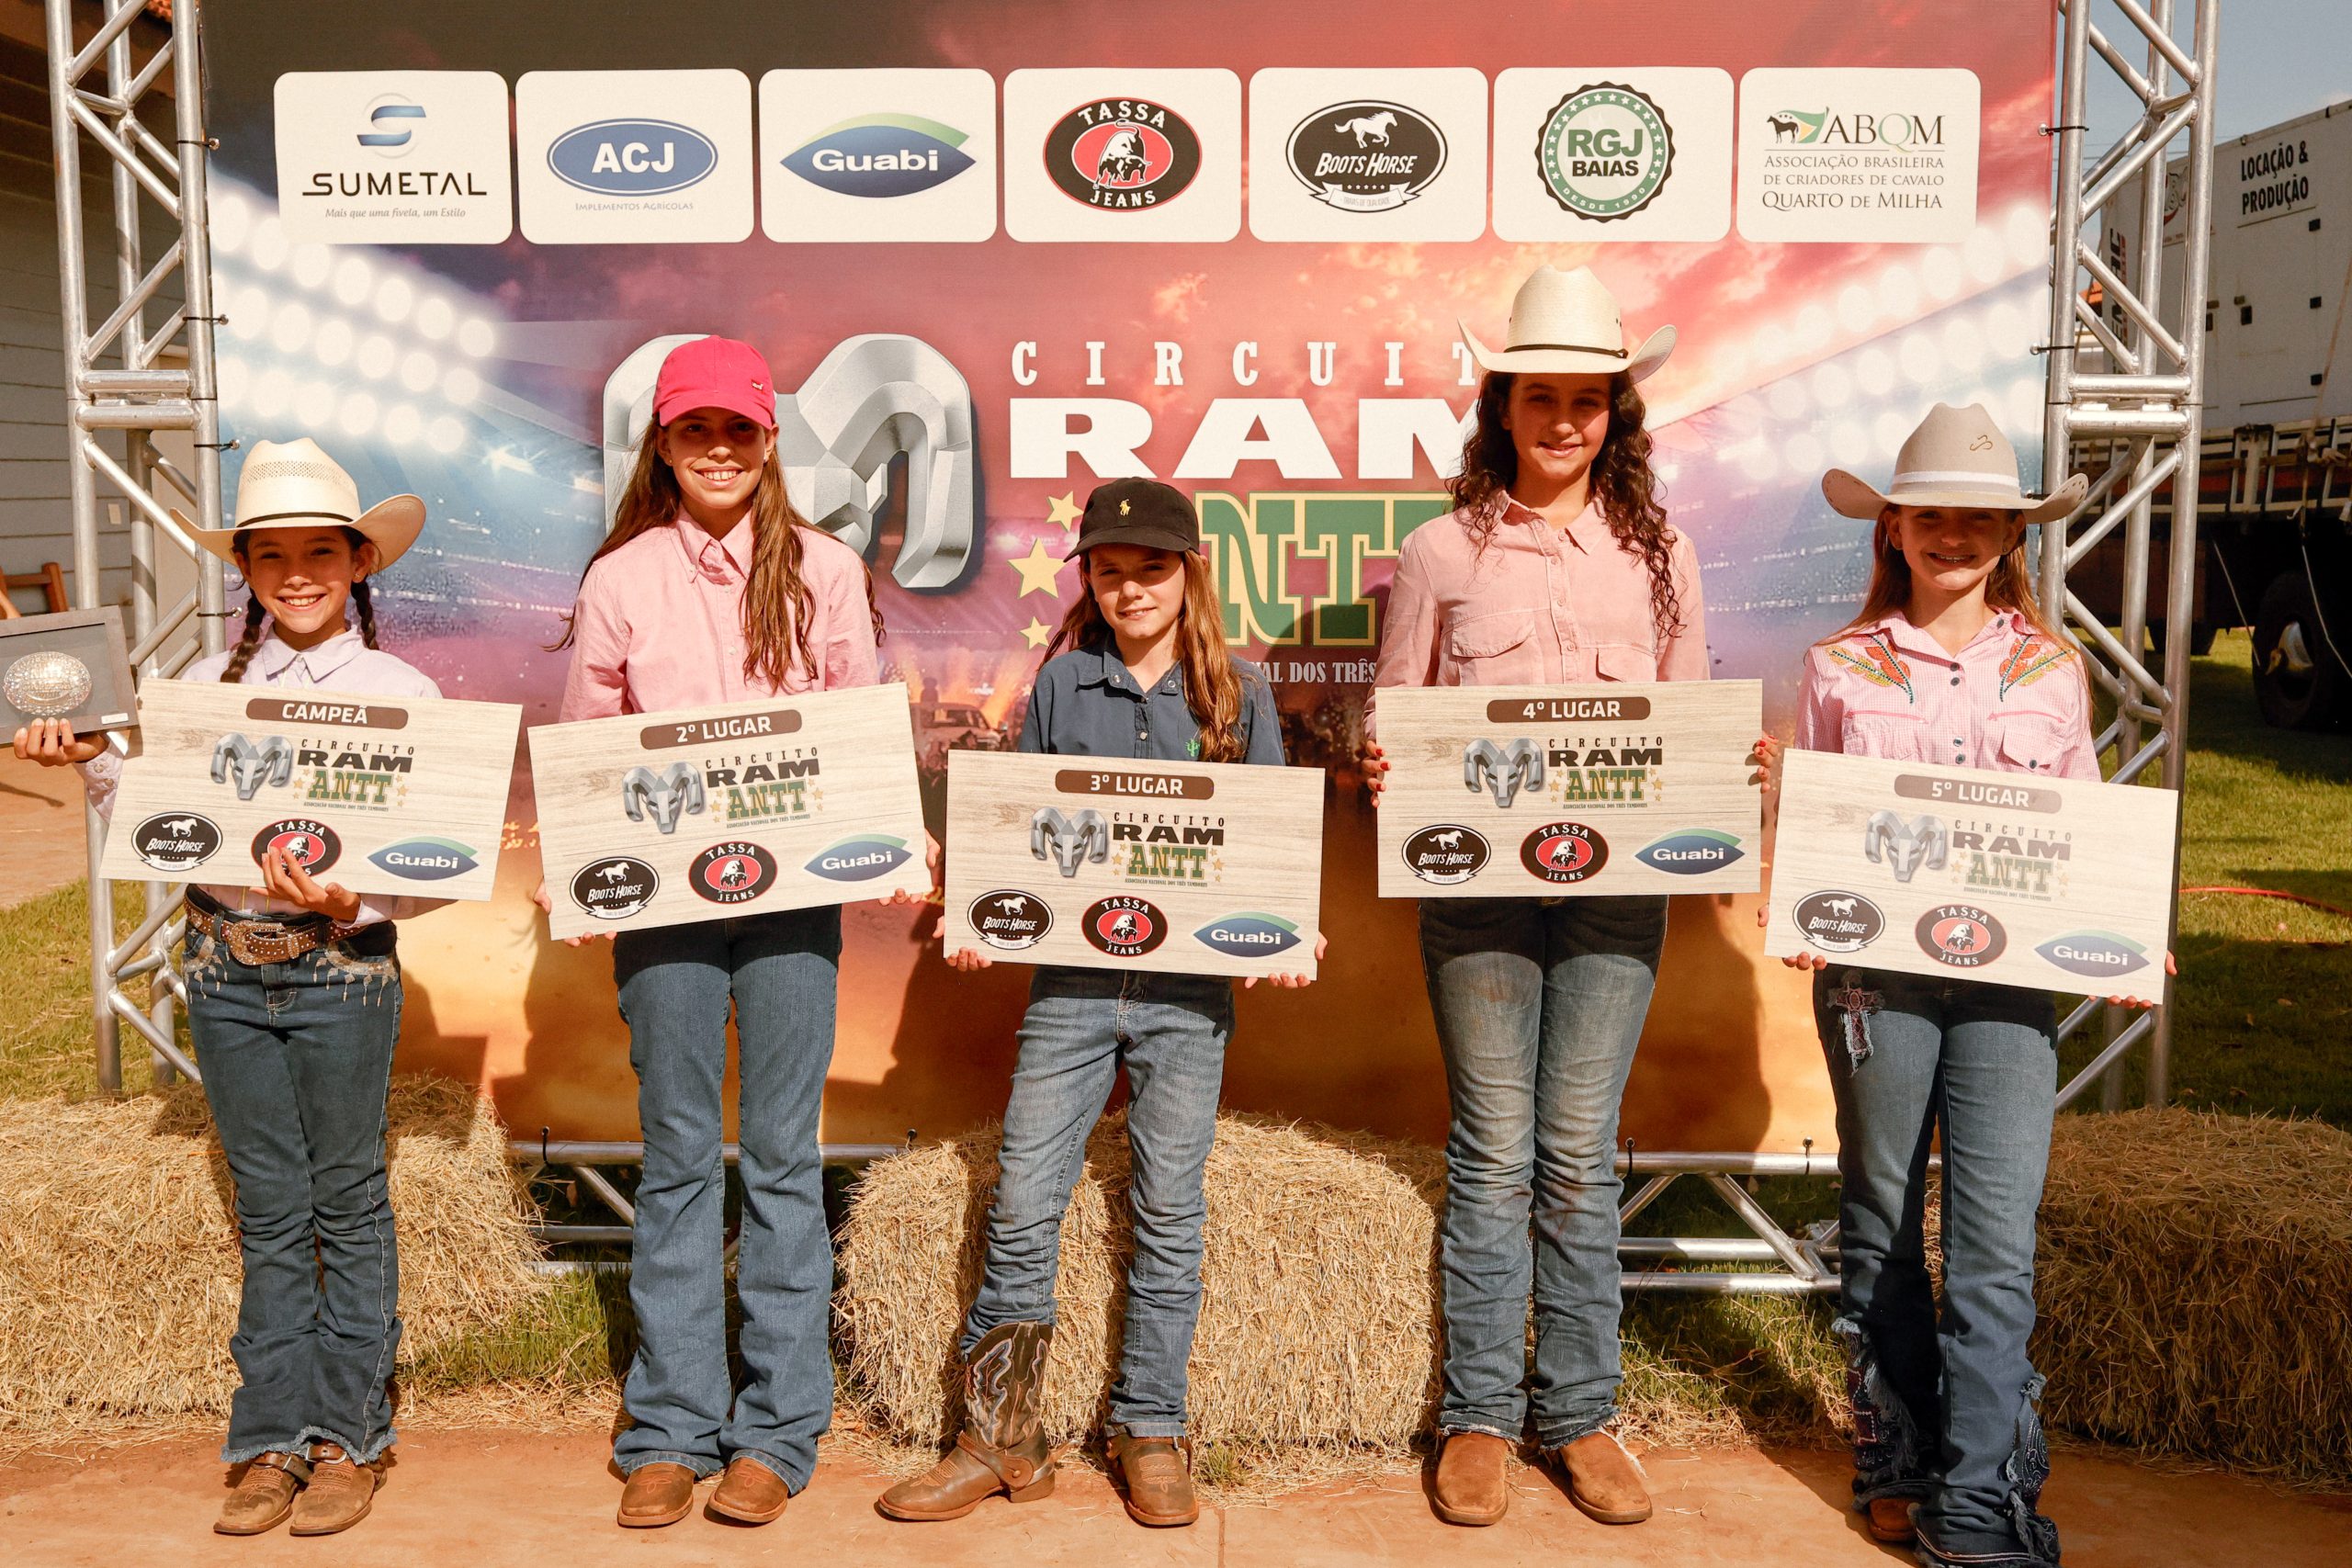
(1567, 323)
(289, 484)
(1956, 458)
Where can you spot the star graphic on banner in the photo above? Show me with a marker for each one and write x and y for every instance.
(1065, 512)
(1037, 633)
(1036, 569)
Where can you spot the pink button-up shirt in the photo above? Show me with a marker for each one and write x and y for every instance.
(2012, 700)
(1535, 606)
(660, 624)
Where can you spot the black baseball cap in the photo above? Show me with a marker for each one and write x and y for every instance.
(1139, 511)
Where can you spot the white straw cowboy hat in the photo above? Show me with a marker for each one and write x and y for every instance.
(1956, 458)
(285, 484)
(1566, 322)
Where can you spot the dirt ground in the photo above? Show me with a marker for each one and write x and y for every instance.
(40, 828)
(490, 1499)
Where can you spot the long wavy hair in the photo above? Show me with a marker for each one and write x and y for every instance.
(2011, 587)
(1628, 494)
(1211, 685)
(249, 641)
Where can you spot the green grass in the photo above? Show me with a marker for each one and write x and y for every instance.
(45, 1029)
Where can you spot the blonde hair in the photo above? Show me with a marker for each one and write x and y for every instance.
(2010, 586)
(1211, 685)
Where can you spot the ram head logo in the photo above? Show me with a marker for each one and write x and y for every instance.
(1503, 770)
(674, 792)
(1071, 841)
(271, 762)
(1906, 846)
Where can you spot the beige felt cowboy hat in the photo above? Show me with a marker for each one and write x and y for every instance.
(1956, 458)
(285, 484)
(1564, 323)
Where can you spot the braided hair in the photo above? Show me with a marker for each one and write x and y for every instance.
(242, 654)
(249, 642)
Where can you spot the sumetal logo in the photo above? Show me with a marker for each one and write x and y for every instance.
(1837, 921)
(1124, 926)
(632, 157)
(313, 845)
(1366, 156)
(1605, 152)
(1446, 853)
(2095, 953)
(426, 859)
(1122, 155)
(881, 156)
(1692, 853)
(1248, 934)
(615, 889)
(176, 842)
(1564, 852)
(1009, 919)
(860, 859)
(733, 872)
(392, 120)
(1960, 935)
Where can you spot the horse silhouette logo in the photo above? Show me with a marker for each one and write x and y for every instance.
(1369, 129)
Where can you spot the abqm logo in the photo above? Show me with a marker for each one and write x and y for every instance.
(392, 120)
(633, 157)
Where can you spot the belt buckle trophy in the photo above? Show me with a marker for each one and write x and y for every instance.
(261, 941)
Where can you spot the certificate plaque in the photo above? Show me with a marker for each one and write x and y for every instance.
(1593, 789)
(72, 665)
(1107, 862)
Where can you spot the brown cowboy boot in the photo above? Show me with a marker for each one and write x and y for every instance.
(264, 1495)
(1003, 1446)
(339, 1494)
(658, 1494)
(1159, 1476)
(1890, 1520)
(1472, 1485)
(1604, 1480)
(748, 1494)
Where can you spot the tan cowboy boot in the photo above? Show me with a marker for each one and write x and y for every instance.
(750, 1494)
(264, 1495)
(1159, 1476)
(1003, 1446)
(1604, 1480)
(338, 1495)
(1890, 1520)
(658, 1494)
(1470, 1486)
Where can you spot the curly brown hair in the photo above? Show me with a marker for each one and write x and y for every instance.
(1623, 487)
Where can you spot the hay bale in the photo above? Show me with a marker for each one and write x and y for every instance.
(2195, 1288)
(119, 1263)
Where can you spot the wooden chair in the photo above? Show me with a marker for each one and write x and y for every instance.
(49, 579)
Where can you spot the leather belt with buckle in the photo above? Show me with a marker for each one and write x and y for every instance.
(254, 943)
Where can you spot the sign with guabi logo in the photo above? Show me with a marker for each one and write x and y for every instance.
(893, 155)
(881, 156)
(1605, 152)
(1366, 156)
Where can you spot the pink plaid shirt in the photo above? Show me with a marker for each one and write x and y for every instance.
(2013, 701)
(660, 624)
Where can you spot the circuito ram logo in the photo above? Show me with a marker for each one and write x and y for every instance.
(675, 792)
(1905, 847)
(1070, 842)
(237, 760)
(1502, 771)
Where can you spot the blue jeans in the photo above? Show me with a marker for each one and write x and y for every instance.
(1170, 1031)
(1539, 1007)
(675, 985)
(1945, 1409)
(297, 1060)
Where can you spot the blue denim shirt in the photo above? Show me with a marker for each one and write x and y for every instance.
(1087, 704)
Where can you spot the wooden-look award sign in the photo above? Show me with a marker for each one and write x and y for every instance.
(708, 813)
(2013, 879)
(401, 794)
(1104, 863)
(1517, 792)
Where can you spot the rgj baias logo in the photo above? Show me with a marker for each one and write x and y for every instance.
(1605, 152)
(1366, 156)
(1122, 155)
(632, 157)
(392, 123)
(881, 156)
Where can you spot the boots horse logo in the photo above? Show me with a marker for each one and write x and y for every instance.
(1906, 846)
(1070, 840)
(677, 791)
(252, 766)
(1502, 771)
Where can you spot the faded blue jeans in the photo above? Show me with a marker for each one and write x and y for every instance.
(1539, 1006)
(1944, 1406)
(297, 1061)
(675, 983)
(1170, 1031)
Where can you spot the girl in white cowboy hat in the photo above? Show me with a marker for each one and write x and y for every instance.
(1556, 565)
(1949, 661)
(293, 1007)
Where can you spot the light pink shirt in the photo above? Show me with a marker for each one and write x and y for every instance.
(2012, 700)
(1535, 606)
(342, 663)
(660, 624)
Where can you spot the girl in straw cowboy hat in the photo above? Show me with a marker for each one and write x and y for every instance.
(293, 1007)
(1950, 661)
(1556, 565)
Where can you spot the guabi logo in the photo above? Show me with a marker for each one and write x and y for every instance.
(392, 121)
(2095, 953)
(313, 845)
(881, 156)
(615, 889)
(175, 843)
(427, 859)
(1692, 853)
(632, 157)
(1446, 854)
(1837, 921)
(1960, 935)
(1605, 152)
(1564, 852)
(1008, 919)
(1124, 926)
(1249, 935)
(860, 859)
(732, 872)
(1122, 155)
(1366, 156)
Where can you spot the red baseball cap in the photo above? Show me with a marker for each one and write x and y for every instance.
(715, 373)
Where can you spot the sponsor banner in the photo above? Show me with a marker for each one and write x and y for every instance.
(404, 796)
(703, 814)
(1146, 154)
(634, 157)
(1604, 153)
(2061, 884)
(1512, 791)
(1359, 155)
(1196, 868)
(866, 157)
(1842, 154)
(394, 157)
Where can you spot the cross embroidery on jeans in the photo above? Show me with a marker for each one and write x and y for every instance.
(1854, 1005)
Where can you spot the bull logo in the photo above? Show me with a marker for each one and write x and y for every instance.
(1070, 840)
(1502, 771)
(1904, 847)
(1123, 159)
(271, 762)
(674, 792)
